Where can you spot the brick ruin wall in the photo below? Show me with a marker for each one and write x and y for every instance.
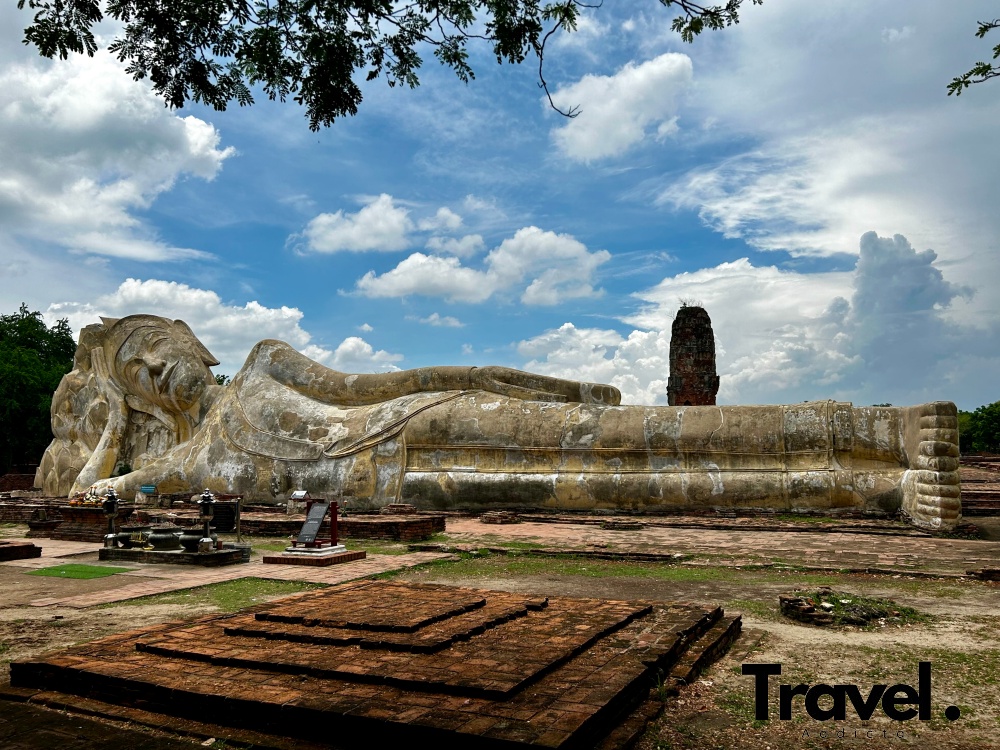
(693, 380)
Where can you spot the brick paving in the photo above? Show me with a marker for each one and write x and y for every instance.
(839, 550)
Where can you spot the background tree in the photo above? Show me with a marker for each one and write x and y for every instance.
(33, 359)
(964, 431)
(214, 51)
(983, 430)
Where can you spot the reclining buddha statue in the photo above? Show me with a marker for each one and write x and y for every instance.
(142, 403)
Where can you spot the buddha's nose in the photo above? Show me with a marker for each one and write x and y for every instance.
(155, 367)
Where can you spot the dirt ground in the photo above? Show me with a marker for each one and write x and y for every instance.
(961, 639)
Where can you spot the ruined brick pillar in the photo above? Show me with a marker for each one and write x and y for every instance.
(693, 381)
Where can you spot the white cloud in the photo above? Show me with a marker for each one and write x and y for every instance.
(810, 195)
(638, 365)
(364, 327)
(562, 266)
(586, 38)
(841, 143)
(86, 148)
(463, 247)
(445, 321)
(379, 226)
(354, 354)
(877, 333)
(559, 266)
(229, 331)
(445, 219)
(617, 111)
(429, 275)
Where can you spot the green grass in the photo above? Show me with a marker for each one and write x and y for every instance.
(527, 545)
(73, 570)
(376, 546)
(228, 596)
(483, 564)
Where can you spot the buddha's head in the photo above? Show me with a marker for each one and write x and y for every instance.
(158, 360)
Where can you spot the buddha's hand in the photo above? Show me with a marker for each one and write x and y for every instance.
(530, 387)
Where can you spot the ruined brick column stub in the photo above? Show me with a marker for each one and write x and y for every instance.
(693, 380)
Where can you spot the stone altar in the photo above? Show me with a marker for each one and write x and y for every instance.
(142, 394)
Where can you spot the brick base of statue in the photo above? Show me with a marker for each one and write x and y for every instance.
(315, 559)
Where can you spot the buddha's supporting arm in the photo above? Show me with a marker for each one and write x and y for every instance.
(103, 460)
(312, 379)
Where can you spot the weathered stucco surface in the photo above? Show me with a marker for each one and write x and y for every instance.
(472, 438)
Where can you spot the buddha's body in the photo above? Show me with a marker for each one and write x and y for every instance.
(472, 437)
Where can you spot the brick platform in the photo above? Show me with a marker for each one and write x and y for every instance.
(213, 559)
(376, 662)
(18, 551)
(316, 561)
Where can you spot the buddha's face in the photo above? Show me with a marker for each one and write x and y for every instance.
(164, 364)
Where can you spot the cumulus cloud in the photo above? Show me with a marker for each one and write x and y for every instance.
(444, 219)
(637, 365)
(838, 145)
(86, 148)
(620, 110)
(354, 354)
(877, 333)
(463, 247)
(559, 268)
(380, 225)
(229, 331)
(428, 275)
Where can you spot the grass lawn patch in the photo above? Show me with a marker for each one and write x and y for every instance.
(74, 570)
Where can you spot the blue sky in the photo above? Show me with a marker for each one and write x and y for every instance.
(803, 176)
